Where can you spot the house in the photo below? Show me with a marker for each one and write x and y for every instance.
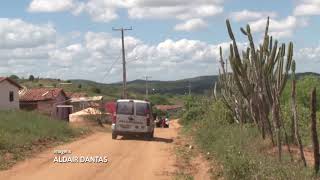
(80, 103)
(89, 116)
(50, 101)
(9, 96)
(76, 94)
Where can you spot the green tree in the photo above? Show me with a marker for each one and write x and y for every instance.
(31, 78)
(159, 100)
(14, 77)
(96, 90)
(303, 91)
(80, 86)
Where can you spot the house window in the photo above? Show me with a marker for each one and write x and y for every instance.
(11, 96)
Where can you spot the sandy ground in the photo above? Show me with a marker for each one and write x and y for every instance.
(134, 158)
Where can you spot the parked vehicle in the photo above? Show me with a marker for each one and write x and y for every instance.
(166, 123)
(133, 117)
(162, 122)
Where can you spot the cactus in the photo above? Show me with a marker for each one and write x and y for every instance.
(295, 127)
(258, 79)
(315, 141)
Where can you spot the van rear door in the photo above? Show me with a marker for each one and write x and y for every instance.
(143, 115)
(125, 115)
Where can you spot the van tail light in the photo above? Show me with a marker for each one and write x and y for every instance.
(114, 118)
(148, 120)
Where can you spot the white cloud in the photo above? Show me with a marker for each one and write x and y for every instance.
(307, 8)
(65, 56)
(183, 12)
(50, 5)
(106, 10)
(93, 56)
(279, 28)
(99, 10)
(247, 15)
(309, 55)
(15, 33)
(191, 25)
(307, 59)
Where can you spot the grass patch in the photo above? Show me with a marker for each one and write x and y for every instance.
(183, 176)
(21, 132)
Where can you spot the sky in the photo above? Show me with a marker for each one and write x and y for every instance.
(170, 40)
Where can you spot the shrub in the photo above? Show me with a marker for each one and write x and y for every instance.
(239, 149)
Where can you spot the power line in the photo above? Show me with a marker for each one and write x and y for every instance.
(123, 60)
(109, 70)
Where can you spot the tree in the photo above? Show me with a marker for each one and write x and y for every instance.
(96, 90)
(31, 78)
(159, 100)
(14, 77)
(79, 86)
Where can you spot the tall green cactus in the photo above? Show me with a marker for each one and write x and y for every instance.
(295, 132)
(259, 76)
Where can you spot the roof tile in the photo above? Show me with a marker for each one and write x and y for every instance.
(41, 94)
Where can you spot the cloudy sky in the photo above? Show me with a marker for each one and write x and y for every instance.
(171, 39)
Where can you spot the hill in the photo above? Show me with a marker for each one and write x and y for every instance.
(199, 85)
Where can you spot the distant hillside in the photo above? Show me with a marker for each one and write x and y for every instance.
(136, 88)
(199, 85)
(300, 75)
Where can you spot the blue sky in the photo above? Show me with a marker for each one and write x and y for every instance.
(171, 39)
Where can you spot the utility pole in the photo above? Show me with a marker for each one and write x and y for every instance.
(124, 93)
(147, 88)
(189, 86)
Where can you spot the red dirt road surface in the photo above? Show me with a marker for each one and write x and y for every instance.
(134, 158)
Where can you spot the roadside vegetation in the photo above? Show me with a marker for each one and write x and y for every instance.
(23, 133)
(240, 149)
(261, 121)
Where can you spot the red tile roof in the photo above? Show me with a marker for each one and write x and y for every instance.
(41, 94)
(76, 94)
(10, 81)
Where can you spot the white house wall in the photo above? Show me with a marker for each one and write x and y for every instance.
(5, 88)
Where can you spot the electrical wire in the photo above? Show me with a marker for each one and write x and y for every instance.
(106, 76)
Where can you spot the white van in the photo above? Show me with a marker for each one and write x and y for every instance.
(133, 117)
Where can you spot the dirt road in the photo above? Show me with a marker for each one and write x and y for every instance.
(128, 159)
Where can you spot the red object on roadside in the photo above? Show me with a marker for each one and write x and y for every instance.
(110, 107)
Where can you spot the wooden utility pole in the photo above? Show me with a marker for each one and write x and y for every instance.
(189, 87)
(315, 141)
(124, 93)
(147, 88)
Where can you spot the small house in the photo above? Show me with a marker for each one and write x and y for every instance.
(50, 101)
(81, 103)
(9, 94)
